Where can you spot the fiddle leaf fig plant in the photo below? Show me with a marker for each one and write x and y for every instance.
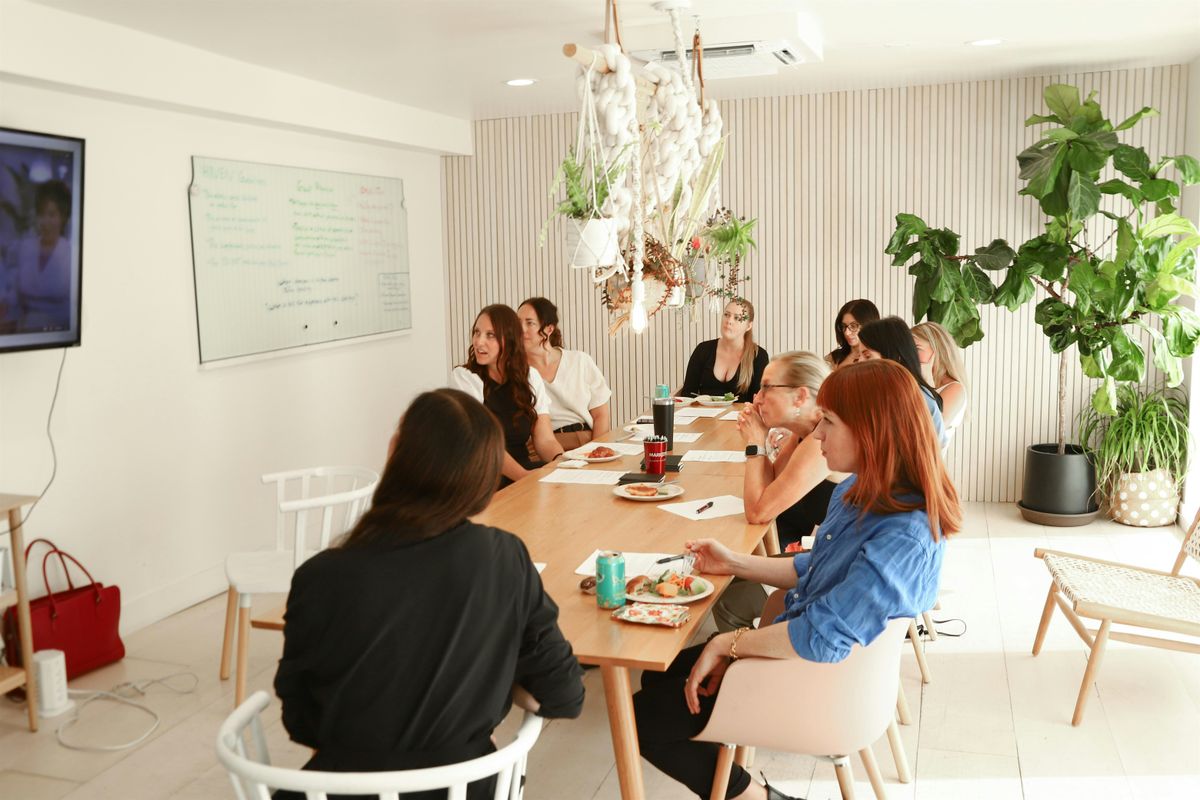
(1105, 274)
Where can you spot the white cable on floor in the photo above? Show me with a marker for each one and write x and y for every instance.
(116, 696)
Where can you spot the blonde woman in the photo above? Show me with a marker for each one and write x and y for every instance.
(942, 367)
(730, 364)
(794, 488)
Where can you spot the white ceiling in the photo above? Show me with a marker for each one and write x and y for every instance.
(452, 56)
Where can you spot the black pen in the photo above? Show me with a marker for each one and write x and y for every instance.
(704, 507)
(672, 558)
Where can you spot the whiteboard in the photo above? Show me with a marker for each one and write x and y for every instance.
(285, 257)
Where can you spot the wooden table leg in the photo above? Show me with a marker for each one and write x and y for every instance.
(18, 557)
(618, 696)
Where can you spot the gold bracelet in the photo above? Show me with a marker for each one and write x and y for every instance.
(733, 656)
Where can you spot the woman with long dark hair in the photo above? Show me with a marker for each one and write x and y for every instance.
(406, 643)
(890, 338)
(731, 363)
(579, 394)
(878, 557)
(498, 375)
(849, 321)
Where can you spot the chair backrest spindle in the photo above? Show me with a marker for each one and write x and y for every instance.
(1191, 545)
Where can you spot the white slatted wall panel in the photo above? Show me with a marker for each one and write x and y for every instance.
(825, 175)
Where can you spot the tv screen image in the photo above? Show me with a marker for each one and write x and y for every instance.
(41, 239)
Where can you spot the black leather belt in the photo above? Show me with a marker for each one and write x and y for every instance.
(578, 426)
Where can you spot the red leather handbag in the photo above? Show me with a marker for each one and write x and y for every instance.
(83, 622)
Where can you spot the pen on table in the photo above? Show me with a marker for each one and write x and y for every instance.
(672, 558)
(704, 507)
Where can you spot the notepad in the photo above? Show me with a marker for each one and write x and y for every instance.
(595, 477)
(635, 564)
(694, 411)
(725, 505)
(731, 456)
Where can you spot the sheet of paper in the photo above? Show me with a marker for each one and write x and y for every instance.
(725, 505)
(635, 564)
(680, 436)
(601, 477)
(624, 448)
(539, 566)
(731, 456)
(695, 411)
(678, 420)
(731, 416)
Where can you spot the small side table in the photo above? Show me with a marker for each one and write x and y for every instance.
(12, 677)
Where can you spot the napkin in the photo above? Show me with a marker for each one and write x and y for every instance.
(725, 505)
(602, 477)
(635, 564)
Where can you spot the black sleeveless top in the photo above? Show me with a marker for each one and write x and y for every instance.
(517, 426)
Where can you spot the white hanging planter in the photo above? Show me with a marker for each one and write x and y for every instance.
(592, 243)
(1145, 499)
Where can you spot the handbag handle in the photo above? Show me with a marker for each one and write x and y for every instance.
(50, 595)
(53, 549)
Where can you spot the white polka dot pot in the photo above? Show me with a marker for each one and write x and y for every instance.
(1145, 499)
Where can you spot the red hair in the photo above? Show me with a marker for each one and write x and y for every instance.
(898, 451)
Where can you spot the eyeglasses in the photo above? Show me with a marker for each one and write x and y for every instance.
(766, 387)
(853, 327)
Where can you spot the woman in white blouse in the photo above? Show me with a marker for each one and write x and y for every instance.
(942, 367)
(578, 392)
(498, 375)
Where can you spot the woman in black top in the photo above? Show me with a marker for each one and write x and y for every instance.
(406, 644)
(732, 364)
(850, 320)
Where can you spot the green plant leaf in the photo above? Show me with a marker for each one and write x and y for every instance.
(1086, 157)
(1167, 225)
(1159, 189)
(1015, 291)
(1125, 242)
(1091, 366)
(922, 298)
(1119, 300)
(979, 286)
(1062, 99)
(945, 240)
(1038, 119)
(1118, 186)
(1055, 202)
(903, 253)
(1040, 165)
(997, 255)
(1104, 401)
(1061, 134)
(1137, 117)
(1083, 197)
(1181, 328)
(1177, 253)
(1132, 162)
(907, 226)
(1189, 169)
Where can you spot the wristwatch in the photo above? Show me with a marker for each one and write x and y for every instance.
(754, 450)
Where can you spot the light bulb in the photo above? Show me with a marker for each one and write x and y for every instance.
(637, 310)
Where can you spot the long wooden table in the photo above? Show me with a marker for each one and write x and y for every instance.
(562, 524)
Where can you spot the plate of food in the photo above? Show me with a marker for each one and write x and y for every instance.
(669, 587)
(648, 492)
(595, 455)
(717, 401)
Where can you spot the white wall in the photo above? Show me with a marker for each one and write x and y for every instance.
(158, 458)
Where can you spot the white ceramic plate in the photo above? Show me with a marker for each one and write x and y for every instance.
(602, 460)
(714, 402)
(641, 430)
(645, 597)
(666, 492)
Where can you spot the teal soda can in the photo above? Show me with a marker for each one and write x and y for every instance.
(610, 580)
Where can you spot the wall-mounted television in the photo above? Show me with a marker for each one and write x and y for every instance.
(41, 239)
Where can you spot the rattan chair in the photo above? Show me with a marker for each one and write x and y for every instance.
(1110, 593)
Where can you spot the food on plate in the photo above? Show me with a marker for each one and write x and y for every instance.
(601, 452)
(669, 584)
(729, 397)
(641, 489)
(588, 585)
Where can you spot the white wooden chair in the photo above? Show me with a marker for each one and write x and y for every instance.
(1088, 588)
(253, 776)
(829, 710)
(337, 496)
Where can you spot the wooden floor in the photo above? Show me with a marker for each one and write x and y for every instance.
(995, 722)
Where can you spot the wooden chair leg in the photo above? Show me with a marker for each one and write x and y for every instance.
(771, 540)
(928, 620)
(1089, 674)
(915, 636)
(1047, 613)
(903, 771)
(721, 776)
(872, 769)
(845, 777)
(902, 706)
(231, 605)
(243, 642)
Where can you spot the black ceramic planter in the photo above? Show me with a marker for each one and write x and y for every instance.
(1058, 490)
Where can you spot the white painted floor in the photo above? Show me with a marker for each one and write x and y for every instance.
(994, 723)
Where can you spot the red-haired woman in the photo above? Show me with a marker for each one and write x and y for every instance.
(498, 375)
(878, 556)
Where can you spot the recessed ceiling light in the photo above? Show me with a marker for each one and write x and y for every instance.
(986, 42)
(521, 82)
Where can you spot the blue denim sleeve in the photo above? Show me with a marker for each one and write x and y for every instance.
(800, 563)
(894, 575)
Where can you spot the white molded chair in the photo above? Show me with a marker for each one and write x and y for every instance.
(253, 776)
(828, 710)
(339, 496)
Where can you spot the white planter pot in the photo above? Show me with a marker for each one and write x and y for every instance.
(592, 243)
(1145, 499)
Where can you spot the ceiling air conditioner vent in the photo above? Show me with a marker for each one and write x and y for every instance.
(736, 60)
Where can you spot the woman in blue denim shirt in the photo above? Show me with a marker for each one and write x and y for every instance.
(877, 557)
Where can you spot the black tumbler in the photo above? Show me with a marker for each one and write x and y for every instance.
(664, 419)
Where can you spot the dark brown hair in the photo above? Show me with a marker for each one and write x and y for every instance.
(892, 338)
(863, 311)
(547, 314)
(511, 363)
(445, 467)
(56, 193)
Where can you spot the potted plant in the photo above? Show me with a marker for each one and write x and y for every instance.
(1110, 277)
(1140, 453)
(591, 237)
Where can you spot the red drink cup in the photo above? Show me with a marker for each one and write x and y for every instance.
(656, 454)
